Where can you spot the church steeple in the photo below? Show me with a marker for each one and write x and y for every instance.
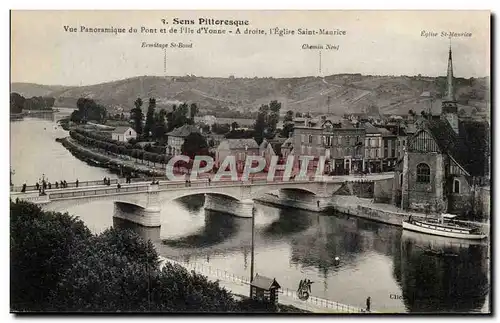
(449, 109)
(450, 92)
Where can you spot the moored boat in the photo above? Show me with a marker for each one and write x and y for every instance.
(446, 227)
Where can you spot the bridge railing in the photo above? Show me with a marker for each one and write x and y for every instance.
(94, 192)
(69, 185)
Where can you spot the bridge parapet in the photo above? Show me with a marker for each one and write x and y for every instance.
(35, 198)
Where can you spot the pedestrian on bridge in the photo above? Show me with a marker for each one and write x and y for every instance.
(209, 181)
(118, 186)
(65, 184)
(37, 186)
(368, 303)
(50, 186)
(57, 184)
(76, 183)
(105, 181)
(24, 188)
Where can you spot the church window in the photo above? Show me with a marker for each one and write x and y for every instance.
(456, 186)
(423, 173)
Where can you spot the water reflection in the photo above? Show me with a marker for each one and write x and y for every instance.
(218, 228)
(288, 223)
(454, 282)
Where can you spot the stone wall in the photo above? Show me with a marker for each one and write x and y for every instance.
(361, 188)
(425, 195)
(382, 191)
(482, 200)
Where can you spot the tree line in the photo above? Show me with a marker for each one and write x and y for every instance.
(61, 266)
(18, 103)
(156, 124)
(154, 155)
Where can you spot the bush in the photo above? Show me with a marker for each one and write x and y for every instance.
(61, 266)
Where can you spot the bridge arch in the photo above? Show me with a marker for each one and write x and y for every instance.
(262, 191)
(172, 196)
(138, 200)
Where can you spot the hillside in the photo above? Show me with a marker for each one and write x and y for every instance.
(29, 90)
(353, 93)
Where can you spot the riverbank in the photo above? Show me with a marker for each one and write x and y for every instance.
(361, 207)
(113, 162)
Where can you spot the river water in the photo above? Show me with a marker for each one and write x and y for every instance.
(375, 260)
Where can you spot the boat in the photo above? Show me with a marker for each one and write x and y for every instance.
(444, 227)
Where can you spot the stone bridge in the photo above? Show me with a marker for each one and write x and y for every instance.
(149, 197)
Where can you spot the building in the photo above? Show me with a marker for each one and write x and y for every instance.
(264, 289)
(123, 134)
(271, 147)
(445, 161)
(239, 148)
(374, 152)
(176, 137)
(390, 149)
(287, 148)
(340, 141)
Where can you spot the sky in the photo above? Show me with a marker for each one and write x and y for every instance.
(376, 43)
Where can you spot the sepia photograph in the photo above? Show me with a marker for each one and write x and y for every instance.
(250, 161)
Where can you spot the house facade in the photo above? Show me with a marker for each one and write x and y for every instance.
(341, 142)
(239, 148)
(176, 137)
(123, 134)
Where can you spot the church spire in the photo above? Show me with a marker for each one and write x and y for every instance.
(450, 92)
(449, 104)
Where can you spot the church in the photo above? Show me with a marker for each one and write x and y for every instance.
(445, 163)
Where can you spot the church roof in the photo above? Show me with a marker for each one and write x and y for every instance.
(467, 149)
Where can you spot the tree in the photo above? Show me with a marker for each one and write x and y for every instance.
(287, 130)
(150, 118)
(160, 128)
(16, 102)
(137, 116)
(193, 112)
(221, 128)
(194, 144)
(234, 126)
(288, 116)
(39, 258)
(267, 119)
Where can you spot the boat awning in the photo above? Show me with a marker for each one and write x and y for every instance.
(448, 216)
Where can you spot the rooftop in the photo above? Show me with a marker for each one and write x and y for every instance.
(121, 129)
(264, 282)
(241, 143)
(183, 131)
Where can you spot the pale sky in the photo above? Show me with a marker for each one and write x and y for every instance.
(376, 43)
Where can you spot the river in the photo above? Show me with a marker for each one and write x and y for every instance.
(375, 260)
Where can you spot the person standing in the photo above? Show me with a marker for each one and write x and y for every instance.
(76, 183)
(37, 186)
(24, 188)
(368, 303)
